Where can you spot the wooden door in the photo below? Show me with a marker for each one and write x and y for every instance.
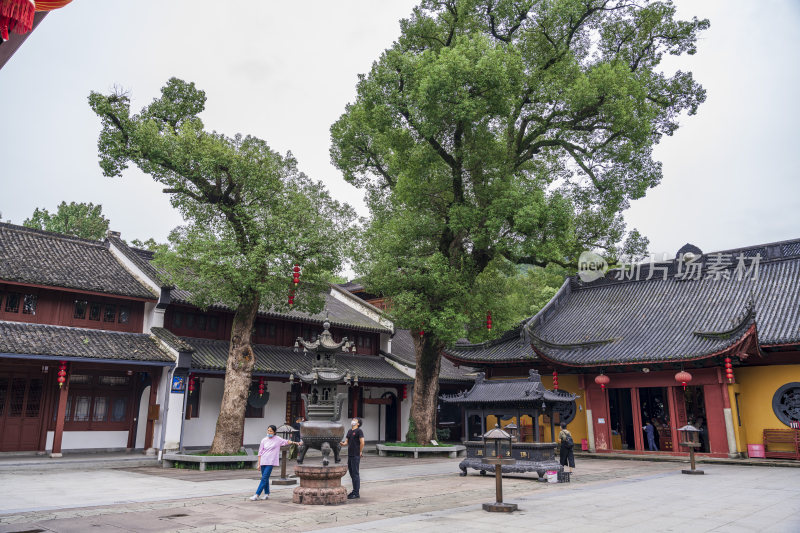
(21, 409)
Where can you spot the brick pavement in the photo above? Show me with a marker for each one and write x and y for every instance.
(402, 494)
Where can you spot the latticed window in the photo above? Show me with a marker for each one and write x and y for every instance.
(80, 309)
(12, 302)
(29, 304)
(110, 314)
(124, 314)
(94, 311)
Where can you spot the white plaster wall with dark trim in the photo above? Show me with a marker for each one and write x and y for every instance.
(89, 440)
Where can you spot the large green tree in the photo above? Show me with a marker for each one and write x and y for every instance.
(78, 219)
(502, 132)
(251, 215)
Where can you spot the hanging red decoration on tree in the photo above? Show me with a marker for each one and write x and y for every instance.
(488, 320)
(261, 386)
(296, 274)
(683, 377)
(291, 297)
(191, 383)
(62, 374)
(729, 369)
(555, 380)
(602, 380)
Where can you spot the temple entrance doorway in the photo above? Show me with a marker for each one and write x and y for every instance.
(654, 408)
(691, 407)
(621, 419)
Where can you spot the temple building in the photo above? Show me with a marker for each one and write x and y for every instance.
(97, 352)
(707, 339)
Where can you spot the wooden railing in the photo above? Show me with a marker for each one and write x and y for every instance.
(782, 443)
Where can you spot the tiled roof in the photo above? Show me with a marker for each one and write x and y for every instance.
(341, 314)
(509, 347)
(663, 320)
(46, 258)
(282, 360)
(60, 341)
(171, 339)
(509, 392)
(403, 353)
(140, 258)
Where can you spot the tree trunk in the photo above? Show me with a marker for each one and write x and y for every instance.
(238, 374)
(426, 386)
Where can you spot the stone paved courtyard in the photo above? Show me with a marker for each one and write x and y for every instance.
(402, 494)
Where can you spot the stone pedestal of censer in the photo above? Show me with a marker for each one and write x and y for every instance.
(321, 484)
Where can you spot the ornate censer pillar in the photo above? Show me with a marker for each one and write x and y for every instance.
(322, 430)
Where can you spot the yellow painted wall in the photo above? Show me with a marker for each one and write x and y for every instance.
(578, 425)
(756, 386)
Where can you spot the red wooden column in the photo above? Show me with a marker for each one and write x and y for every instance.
(61, 414)
(148, 434)
(673, 417)
(636, 408)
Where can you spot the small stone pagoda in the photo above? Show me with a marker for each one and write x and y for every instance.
(322, 430)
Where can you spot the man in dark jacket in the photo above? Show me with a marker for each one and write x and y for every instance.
(355, 450)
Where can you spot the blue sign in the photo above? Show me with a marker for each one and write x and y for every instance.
(178, 383)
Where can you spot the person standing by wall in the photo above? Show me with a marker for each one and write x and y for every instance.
(355, 450)
(650, 431)
(269, 457)
(567, 454)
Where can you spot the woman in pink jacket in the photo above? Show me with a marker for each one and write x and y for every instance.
(269, 456)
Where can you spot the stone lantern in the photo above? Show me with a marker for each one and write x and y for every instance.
(691, 439)
(285, 432)
(513, 430)
(497, 452)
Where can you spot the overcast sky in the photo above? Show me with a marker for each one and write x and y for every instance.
(283, 71)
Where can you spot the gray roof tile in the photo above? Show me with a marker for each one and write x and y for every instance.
(51, 259)
(403, 353)
(508, 392)
(59, 341)
(282, 360)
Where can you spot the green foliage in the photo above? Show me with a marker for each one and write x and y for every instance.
(411, 434)
(77, 219)
(150, 244)
(443, 434)
(251, 214)
(501, 133)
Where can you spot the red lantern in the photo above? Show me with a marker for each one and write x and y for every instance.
(291, 297)
(729, 370)
(405, 391)
(602, 380)
(62, 374)
(260, 387)
(555, 380)
(191, 384)
(683, 378)
(296, 274)
(488, 320)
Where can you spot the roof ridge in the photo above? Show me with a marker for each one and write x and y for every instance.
(52, 234)
(73, 328)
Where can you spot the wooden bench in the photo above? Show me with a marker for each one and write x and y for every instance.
(457, 450)
(782, 443)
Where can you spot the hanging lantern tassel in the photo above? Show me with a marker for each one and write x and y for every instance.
(489, 320)
(62, 374)
(16, 16)
(602, 380)
(555, 380)
(291, 297)
(683, 377)
(729, 369)
(260, 387)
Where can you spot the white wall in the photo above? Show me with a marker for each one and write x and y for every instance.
(86, 440)
(200, 431)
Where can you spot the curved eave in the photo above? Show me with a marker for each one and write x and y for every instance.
(746, 344)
